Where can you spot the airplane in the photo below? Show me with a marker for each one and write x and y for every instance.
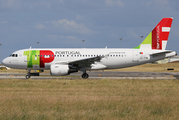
(64, 61)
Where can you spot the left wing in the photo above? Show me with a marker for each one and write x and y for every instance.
(84, 63)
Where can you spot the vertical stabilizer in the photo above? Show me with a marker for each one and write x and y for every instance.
(157, 38)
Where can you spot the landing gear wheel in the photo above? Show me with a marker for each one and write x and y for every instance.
(27, 76)
(85, 76)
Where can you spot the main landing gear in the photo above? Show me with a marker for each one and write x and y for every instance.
(85, 75)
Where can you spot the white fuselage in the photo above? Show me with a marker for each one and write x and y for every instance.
(41, 59)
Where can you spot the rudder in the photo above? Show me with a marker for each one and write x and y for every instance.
(157, 39)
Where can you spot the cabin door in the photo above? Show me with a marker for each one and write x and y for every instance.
(135, 56)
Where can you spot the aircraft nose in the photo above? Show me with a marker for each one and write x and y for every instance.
(5, 62)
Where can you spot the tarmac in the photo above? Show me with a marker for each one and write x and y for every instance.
(99, 75)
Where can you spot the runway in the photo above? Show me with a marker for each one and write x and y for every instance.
(99, 75)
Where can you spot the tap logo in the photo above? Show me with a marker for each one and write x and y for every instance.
(158, 37)
(38, 58)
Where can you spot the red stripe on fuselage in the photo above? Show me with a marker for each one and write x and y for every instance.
(44, 59)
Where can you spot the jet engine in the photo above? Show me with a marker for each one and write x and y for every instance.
(59, 70)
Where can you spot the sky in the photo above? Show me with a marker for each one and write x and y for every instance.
(65, 23)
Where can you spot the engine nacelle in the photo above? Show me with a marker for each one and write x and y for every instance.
(59, 70)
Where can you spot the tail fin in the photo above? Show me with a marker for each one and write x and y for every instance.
(157, 39)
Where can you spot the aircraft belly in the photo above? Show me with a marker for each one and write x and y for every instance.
(124, 62)
(116, 63)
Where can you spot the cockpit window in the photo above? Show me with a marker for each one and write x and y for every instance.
(13, 55)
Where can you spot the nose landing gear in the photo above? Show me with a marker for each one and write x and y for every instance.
(31, 74)
(27, 76)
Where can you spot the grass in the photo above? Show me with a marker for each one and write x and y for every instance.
(89, 99)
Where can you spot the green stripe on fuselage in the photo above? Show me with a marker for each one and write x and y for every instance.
(32, 58)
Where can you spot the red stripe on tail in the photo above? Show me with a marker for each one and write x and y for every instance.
(158, 35)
